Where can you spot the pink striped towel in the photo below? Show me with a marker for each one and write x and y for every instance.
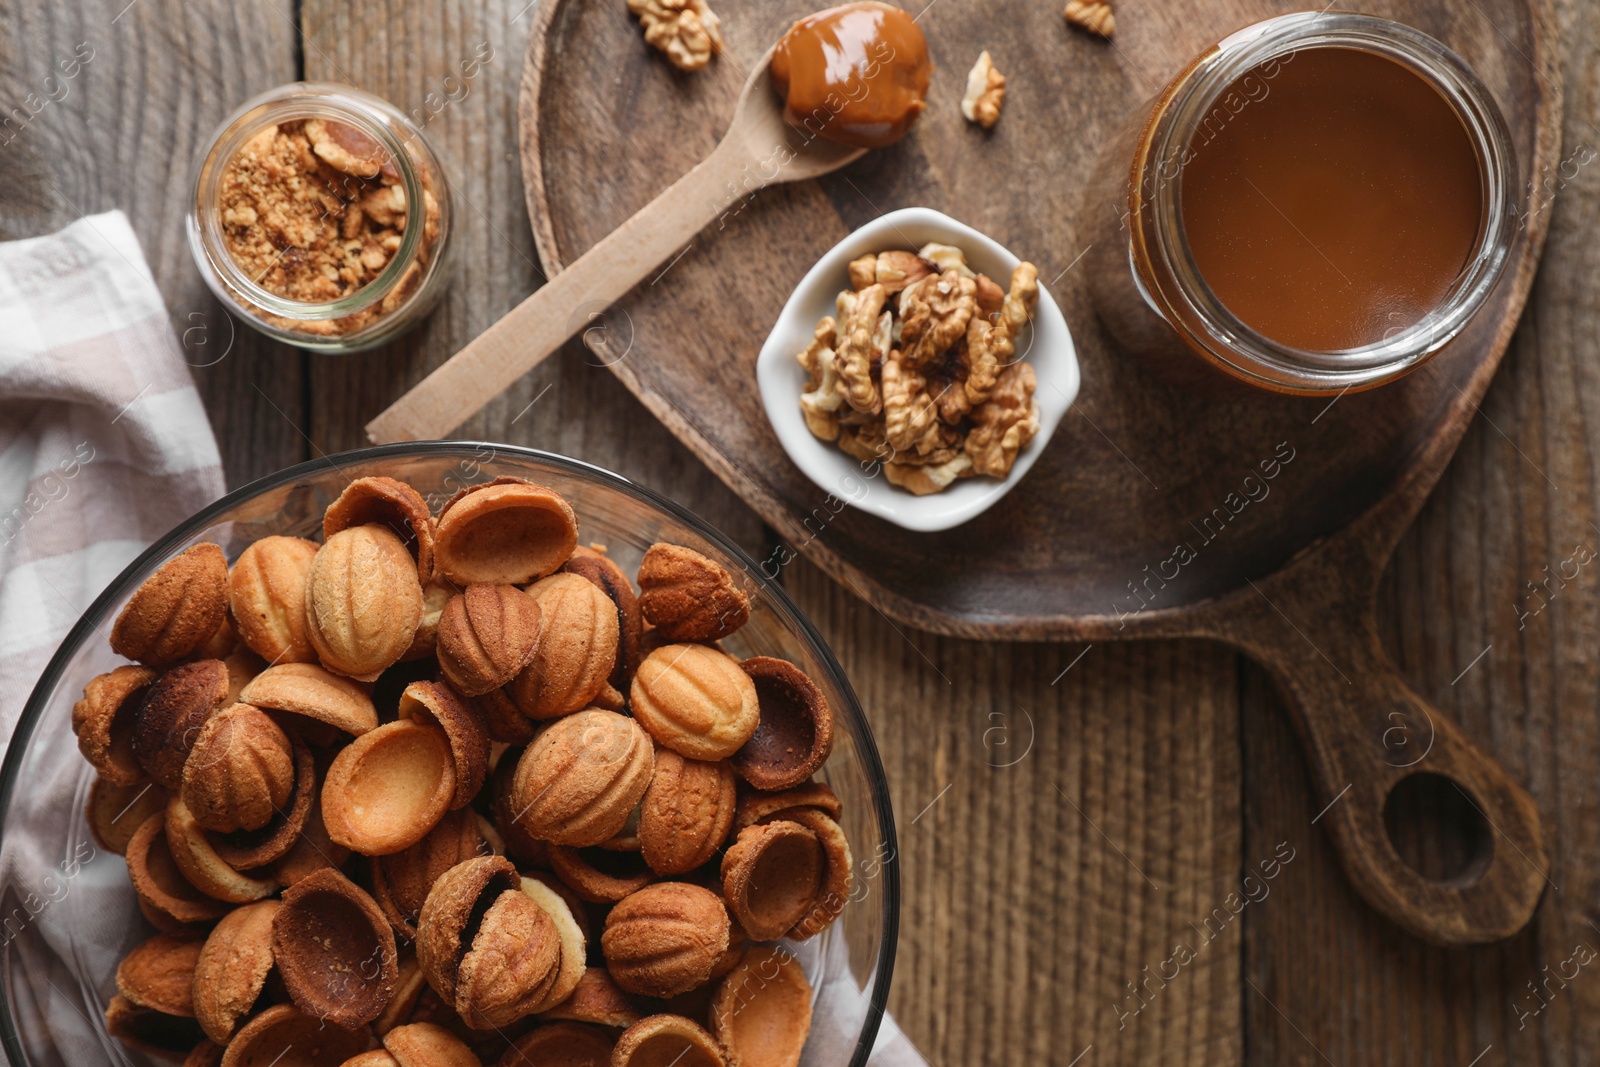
(104, 445)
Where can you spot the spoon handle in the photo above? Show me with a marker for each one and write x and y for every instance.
(539, 325)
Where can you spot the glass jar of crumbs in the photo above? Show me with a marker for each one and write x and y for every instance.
(322, 218)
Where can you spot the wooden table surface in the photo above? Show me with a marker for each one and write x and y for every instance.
(1070, 817)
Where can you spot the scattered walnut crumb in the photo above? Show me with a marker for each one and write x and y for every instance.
(986, 91)
(312, 211)
(919, 370)
(1095, 16)
(686, 30)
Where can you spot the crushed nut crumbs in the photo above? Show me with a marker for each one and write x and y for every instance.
(312, 210)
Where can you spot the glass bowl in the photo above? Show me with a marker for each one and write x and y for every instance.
(68, 912)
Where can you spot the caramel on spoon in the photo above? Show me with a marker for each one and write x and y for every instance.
(760, 149)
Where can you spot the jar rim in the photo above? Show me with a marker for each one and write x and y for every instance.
(1165, 268)
(303, 100)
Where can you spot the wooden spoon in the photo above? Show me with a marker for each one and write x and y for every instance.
(759, 149)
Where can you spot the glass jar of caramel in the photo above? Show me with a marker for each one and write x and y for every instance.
(1318, 203)
(321, 217)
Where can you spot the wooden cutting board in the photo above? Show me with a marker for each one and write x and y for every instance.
(1082, 548)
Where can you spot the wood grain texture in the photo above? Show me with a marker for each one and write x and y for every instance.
(1022, 923)
(405, 52)
(1139, 464)
(124, 134)
(1062, 556)
(1065, 812)
(1514, 664)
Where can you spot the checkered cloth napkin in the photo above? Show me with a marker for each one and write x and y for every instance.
(104, 445)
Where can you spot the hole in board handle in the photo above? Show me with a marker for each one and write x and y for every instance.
(1437, 829)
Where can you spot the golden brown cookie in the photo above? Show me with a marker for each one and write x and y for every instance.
(688, 596)
(665, 939)
(696, 701)
(176, 610)
(686, 812)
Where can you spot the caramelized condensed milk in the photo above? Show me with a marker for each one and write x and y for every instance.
(856, 74)
(1319, 203)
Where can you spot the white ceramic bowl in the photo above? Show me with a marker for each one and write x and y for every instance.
(1046, 343)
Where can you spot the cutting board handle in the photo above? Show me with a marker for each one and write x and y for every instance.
(1364, 731)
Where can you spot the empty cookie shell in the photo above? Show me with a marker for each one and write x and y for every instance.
(313, 849)
(795, 734)
(574, 947)
(762, 1010)
(163, 891)
(507, 531)
(563, 1044)
(232, 968)
(596, 999)
(433, 703)
(835, 882)
(169, 719)
(159, 974)
(200, 864)
(772, 876)
(388, 788)
(427, 1045)
(598, 875)
(667, 1041)
(686, 813)
(115, 812)
(285, 1036)
(164, 1036)
(335, 950)
(754, 806)
(104, 722)
(309, 690)
(386, 502)
(247, 850)
(665, 939)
